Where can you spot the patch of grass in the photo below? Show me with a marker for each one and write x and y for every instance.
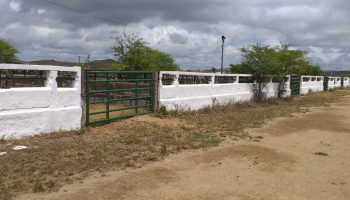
(38, 187)
(163, 150)
(237, 117)
(5, 192)
(57, 159)
(202, 140)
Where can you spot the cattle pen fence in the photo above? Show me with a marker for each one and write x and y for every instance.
(36, 99)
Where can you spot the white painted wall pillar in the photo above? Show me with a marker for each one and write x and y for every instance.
(52, 84)
(177, 85)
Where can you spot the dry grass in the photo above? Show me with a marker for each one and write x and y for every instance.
(233, 119)
(112, 106)
(61, 158)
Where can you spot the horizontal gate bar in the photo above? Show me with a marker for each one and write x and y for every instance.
(122, 80)
(119, 72)
(116, 118)
(23, 78)
(120, 99)
(65, 78)
(120, 109)
(119, 90)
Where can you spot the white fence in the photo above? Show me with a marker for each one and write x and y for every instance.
(311, 84)
(192, 91)
(331, 83)
(334, 82)
(346, 82)
(27, 111)
(337, 82)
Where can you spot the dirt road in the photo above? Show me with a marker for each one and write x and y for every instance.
(304, 157)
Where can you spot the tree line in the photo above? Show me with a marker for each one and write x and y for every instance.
(267, 63)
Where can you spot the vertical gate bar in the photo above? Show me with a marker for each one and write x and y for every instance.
(87, 96)
(137, 94)
(107, 98)
(83, 94)
(95, 78)
(151, 91)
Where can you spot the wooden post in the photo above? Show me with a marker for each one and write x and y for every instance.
(156, 91)
(83, 95)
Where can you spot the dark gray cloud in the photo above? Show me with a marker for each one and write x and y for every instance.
(188, 30)
(178, 39)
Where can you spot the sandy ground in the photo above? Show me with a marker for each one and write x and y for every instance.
(304, 157)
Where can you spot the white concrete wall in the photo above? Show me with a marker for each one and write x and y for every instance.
(311, 84)
(337, 82)
(331, 82)
(196, 96)
(36, 110)
(346, 82)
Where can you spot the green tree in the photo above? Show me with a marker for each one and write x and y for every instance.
(160, 61)
(308, 68)
(239, 69)
(132, 53)
(288, 62)
(7, 52)
(265, 62)
(260, 61)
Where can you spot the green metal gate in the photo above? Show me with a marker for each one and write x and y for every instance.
(295, 84)
(114, 95)
(325, 83)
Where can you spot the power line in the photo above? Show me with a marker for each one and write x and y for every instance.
(83, 12)
(91, 14)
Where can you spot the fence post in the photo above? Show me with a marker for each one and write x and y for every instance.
(155, 90)
(52, 84)
(83, 96)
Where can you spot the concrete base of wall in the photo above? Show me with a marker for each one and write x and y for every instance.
(199, 102)
(305, 91)
(21, 123)
(196, 103)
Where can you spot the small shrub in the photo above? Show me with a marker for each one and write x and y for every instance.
(163, 150)
(38, 187)
(50, 184)
(82, 131)
(163, 110)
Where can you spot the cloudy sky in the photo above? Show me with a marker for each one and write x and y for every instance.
(189, 30)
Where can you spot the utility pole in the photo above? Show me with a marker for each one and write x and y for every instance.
(88, 58)
(222, 53)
